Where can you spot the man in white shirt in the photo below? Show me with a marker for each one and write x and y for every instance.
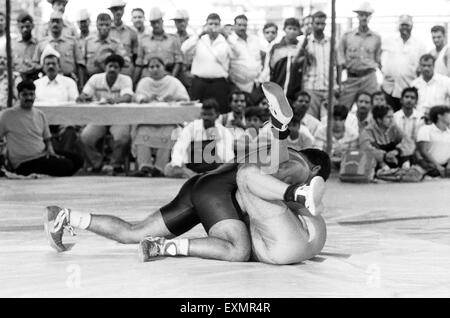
(441, 51)
(409, 120)
(245, 63)
(211, 63)
(203, 145)
(433, 142)
(434, 89)
(400, 60)
(301, 106)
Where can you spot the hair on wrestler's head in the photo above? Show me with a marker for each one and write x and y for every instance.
(319, 158)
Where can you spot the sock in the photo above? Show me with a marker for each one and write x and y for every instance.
(280, 134)
(176, 247)
(80, 220)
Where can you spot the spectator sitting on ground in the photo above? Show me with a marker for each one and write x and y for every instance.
(408, 119)
(360, 116)
(250, 139)
(433, 142)
(110, 87)
(235, 118)
(202, 145)
(378, 99)
(384, 139)
(301, 105)
(300, 137)
(56, 89)
(343, 138)
(146, 139)
(29, 147)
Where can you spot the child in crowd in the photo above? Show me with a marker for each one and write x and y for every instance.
(300, 137)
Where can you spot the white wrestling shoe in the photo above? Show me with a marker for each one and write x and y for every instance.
(311, 196)
(280, 109)
(56, 219)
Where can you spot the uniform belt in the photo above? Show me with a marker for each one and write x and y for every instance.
(360, 73)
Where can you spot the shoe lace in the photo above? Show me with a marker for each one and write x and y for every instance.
(61, 222)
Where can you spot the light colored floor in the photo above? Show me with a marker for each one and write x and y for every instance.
(384, 240)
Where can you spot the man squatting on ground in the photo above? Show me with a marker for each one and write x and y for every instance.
(248, 213)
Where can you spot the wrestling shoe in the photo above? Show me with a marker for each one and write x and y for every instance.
(280, 109)
(151, 247)
(56, 219)
(311, 196)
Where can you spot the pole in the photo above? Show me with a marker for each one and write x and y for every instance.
(9, 55)
(331, 77)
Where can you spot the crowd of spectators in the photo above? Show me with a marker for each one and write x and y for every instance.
(404, 121)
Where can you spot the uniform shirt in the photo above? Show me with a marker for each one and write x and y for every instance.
(61, 89)
(211, 58)
(442, 64)
(127, 36)
(167, 89)
(316, 77)
(23, 53)
(195, 131)
(432, 93)
(69, 30)
(182, 37)
(98, 88)
(359, 52)
(97, 50)
(26, 132)
(67, 47)
(400, 63)
(140, 35)
(438, 140)
(245, 62)
(165, 46)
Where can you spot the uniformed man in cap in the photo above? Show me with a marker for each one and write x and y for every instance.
(84, 22)
(100, 45)
(72, 62)
(69, 29)
(23, 48)
(160, 44)
(181, 20)
(125, 34)
(360, 54)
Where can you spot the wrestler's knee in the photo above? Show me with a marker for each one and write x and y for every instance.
(244, 173)
(235, 232)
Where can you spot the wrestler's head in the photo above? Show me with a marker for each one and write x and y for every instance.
(304, 165)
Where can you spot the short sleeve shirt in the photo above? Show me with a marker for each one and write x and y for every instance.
(98, 88)
(96, 51)
(23, 53)
(26, 132)
(439, 142)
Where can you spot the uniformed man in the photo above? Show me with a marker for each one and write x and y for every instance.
(138, 20)
(181, 20)
(125, 34)
(69, 29)
(84, 22)
(100, 45)
(166, 46)
(23, 48)
(72, 62)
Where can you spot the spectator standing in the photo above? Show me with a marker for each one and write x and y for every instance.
(72, 63)
(112, 88)
(204, 140)
(138, 20)
(245, 62)
(68, 28)
(434, 142)
(359, 53)
(270, 32)
(400, 56)
(4, 82)
(441, 52)
(317, 73)
(210, 66)
(99, 46)
(384, 139)
(181, 21)
(155, 138)
(124, 34)
(23, 48)
(160, 44)
(28, 137)
(434, 89)
(409, 119)
(343, 139)
(84, 23)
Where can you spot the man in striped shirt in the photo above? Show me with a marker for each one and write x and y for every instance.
(316, 77)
